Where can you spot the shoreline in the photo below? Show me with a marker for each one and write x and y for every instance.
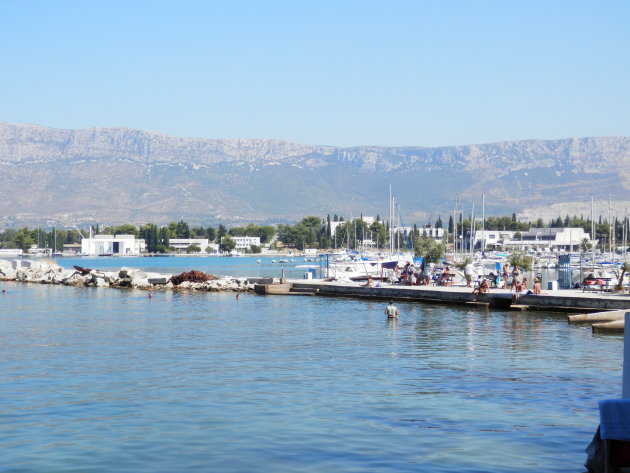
(43, 272)
(560, 300)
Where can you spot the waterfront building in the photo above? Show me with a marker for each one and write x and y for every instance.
(436, 233)
(245, 242)
(112, 245)
(492, 238)
(181, 244)
(553, 239)
(8, 252)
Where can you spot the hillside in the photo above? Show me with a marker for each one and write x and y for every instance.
(115, 175)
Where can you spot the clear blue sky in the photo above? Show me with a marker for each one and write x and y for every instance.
(396, 73)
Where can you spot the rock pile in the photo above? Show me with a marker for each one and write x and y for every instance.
(48, 272)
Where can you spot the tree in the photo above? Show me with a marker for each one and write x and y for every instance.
(126, 229)
(149, 233)
(255, 249)
(221, 232)
(227, 244)
(164, 237)
(193, 249)
(182, 230)
(428, 248)
(306, 233)
(211, 233)
(236, 231)
(379, 233)
(520, 260)
(23, 240)
(197, 232)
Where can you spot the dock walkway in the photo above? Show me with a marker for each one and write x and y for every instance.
(570, 300)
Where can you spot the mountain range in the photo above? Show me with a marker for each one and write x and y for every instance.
(120, 175)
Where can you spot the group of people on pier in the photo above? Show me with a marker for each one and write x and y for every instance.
(416, 275)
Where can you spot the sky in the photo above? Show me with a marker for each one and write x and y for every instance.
(343, 73)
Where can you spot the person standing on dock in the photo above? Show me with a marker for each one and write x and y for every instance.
(505, 276)
(469, 270)
(391, 311)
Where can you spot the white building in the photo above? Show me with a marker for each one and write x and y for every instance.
(436, 233)
(245, 242)
(492, 238)
(333, 225)
(5, 252)
(554, 239)
(180, 244)
(112, 245)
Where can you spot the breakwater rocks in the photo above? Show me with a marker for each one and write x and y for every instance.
(48, 272)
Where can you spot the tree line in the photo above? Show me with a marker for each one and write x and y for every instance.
(310, 232)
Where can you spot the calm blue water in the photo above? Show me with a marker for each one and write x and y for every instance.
(250, 266)
(100, 380)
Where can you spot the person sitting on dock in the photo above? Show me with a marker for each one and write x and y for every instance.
(369, 283)
(426, 277)
(483, 287)
(391, 311)
(445, 278)
(524, 284)
(536, 286)
(517, 292)
(494, 280)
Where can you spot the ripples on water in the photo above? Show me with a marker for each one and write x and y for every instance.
(97, 380)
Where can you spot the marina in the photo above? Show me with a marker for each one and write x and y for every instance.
(259, 278)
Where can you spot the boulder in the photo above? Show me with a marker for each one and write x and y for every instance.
(140, 283)
(60, 276)
(74, 280)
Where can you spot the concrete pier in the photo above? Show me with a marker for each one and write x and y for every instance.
(555, 301)
(597, 317)
(616, 326)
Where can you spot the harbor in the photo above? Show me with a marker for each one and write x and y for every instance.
(552, 300)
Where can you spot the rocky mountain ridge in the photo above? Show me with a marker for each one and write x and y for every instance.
(127, 175)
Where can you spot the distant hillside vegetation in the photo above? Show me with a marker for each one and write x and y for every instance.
(118, 175)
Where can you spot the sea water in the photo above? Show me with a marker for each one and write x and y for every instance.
(250, 266)
(100, 379)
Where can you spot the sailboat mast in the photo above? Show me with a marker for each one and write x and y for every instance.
(610, 225)
(472, 227)
(483, 223)
(455, 228)
(592, 234)
(391, 251)
(461, 218)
